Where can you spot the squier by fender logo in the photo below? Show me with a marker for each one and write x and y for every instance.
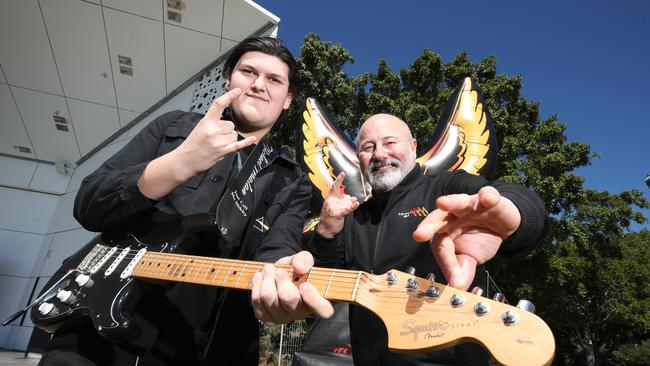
(430, 329)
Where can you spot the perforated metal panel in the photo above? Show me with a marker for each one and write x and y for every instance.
(210, 86)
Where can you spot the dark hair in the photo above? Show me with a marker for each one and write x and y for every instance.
(270, 46)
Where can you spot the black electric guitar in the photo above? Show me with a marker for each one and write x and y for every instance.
(103, 284)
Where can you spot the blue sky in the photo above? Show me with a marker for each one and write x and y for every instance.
(588, 62)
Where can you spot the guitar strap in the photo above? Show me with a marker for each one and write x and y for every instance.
(236, 205)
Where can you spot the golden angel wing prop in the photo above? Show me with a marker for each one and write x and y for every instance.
(324, 151)
(465, 137)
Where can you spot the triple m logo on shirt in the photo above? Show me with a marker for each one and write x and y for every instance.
(415, 211)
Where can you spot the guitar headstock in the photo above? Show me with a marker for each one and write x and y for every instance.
(421, 315)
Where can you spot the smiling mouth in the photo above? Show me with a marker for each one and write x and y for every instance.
(384, 167)
(256, 98)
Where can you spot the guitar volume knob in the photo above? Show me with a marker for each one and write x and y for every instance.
(66, 297)
(83, 280)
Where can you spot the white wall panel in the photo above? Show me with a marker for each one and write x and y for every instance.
(26, 211)
(187, 53)
(13, 130)
(22, 338)
(180, 101)
(39, 287)
(76, 30)
(241, 19)
(12, 290)
(63, 245)
(141, 40)
(47, 179)
(200, 15)
(93, 123)
(38, 109)
(26, 55)
(227, 44)
(62, 218)
(18, 172)
(93, 163)
(146, 8)
(19, 252)
(126, 117)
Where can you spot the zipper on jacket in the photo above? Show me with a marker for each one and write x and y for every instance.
(374, 254)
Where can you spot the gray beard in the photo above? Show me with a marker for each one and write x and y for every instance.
(387, 180)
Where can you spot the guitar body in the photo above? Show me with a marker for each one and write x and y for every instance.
(108, 294)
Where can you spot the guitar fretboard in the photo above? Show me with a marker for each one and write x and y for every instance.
(332, 284)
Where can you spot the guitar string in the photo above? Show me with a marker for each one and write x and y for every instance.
(199, 263)
(382, 297)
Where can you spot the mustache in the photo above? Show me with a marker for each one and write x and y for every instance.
(390, 161)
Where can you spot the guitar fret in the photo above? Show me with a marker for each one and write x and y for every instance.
(196, 272)
(227, 274)
(356, 285)
(216, 274)
(329, 283)
(250, 283)
(240, 273)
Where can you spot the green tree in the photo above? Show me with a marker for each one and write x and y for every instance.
(590, 280)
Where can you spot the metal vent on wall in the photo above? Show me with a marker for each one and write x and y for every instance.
(208, 87)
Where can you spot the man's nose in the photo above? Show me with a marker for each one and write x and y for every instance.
(380, 153)
(258, 84)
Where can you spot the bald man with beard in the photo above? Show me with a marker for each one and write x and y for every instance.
(469, 221)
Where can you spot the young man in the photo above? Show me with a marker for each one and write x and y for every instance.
(470, 221)
(180, 165)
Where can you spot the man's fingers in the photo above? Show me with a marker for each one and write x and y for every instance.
(444, 250)
(302, 262)
(315, 302)
(455, 203)
(218, 105)
(238, 145)
(468, 268)
(335, 189)
(288, 295)
(430, 225)
(489, 196)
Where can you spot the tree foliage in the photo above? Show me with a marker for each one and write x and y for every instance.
(590, 279)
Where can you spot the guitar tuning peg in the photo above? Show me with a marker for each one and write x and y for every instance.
(526, 305)
(477, 291)
(431, 277)
(410, 270)
(499, 297)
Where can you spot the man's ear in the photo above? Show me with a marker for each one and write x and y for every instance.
(287, 101)
(227, 86)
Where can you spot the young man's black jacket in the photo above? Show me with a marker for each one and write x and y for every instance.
(182, 318)
(377, 237)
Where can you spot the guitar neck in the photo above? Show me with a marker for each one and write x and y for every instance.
(332, 284)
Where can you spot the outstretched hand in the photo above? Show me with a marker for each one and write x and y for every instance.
(336, 207)
(212, 138)
(466, 230)
(277, 300)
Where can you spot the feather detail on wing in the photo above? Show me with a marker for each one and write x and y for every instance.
(465, 137)
(324, 151)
